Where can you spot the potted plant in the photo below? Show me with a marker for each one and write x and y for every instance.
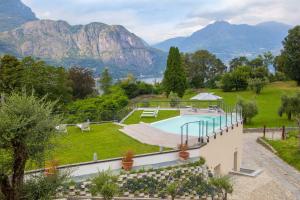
(183, 153)
(127, 161)
(51, 168)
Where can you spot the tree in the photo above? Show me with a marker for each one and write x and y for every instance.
(174, 76)
(202, 67)
(83, 83)
(268, 59)
(46, 80)
(105, 81)
(249, 109)
(289, 105)
(27, 125)
(222, 185)
(31, 74)
(279, 62)
(237, 62)
(290, 55)
(256, 62)
(257, 84)
(237, 79)
(10, 74)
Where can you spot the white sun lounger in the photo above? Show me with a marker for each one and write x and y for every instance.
(84, 126)
(150, 113)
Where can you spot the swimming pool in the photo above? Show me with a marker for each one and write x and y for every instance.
(173, 125)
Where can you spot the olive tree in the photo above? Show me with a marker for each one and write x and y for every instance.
(289, 106)
(27, 125)
(222, 185)
(249, 109)
(257, 84)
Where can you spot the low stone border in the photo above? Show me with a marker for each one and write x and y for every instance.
(261, 141)
(130, 113)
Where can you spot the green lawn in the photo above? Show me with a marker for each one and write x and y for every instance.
(268, 102)
(105, 139)
(162, 114)
(288, 149)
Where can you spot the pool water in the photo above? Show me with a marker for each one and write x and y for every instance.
(173, 125)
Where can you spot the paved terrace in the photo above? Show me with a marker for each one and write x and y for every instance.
(279, 181)
(189, 111)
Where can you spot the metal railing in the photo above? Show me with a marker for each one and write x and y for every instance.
(229, 117)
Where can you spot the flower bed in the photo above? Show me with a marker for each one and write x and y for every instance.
(191, 180)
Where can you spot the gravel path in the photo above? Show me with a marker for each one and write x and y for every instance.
(279, 181)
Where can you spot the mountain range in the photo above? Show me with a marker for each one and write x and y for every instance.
(227, 40)
(97, 45)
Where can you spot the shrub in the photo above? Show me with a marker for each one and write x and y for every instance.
(101, 108)
(172, 189)
(103, 178)
(145, 103)
(249, 109)
(174, 100)
(43, 187)
(109, 190)
(279, 76)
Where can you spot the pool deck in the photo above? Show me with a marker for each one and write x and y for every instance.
(190, 111)
(150, 135)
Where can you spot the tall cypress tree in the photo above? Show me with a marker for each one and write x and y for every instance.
(105, 81)
(174, 77)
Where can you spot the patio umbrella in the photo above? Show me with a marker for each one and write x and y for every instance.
(206, 97)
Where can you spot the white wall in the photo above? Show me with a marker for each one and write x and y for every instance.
(220, 151)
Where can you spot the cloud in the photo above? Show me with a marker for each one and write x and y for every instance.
(252, 11)
(158, 20)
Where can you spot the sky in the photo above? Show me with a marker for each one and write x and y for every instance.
(157, 20)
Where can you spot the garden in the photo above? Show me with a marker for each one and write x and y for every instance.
(268, 102)
(103, 139)
(188, 180)
(288, 149)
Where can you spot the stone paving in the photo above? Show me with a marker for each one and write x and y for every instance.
(279, 181)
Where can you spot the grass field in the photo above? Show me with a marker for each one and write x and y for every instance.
(288, 149)
(268, 102)
(162, 114)
(106, 140)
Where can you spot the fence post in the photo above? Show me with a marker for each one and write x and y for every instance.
(283, 133)
(207, 131)
(231, 119)
(221, 124)
(181, 135)
(187, 134)
(264, 131)
(199, 139)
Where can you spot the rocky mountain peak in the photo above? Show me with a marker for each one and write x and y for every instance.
(14, 13)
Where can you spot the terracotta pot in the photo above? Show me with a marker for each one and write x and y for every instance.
(184, 155)
(127, 165)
